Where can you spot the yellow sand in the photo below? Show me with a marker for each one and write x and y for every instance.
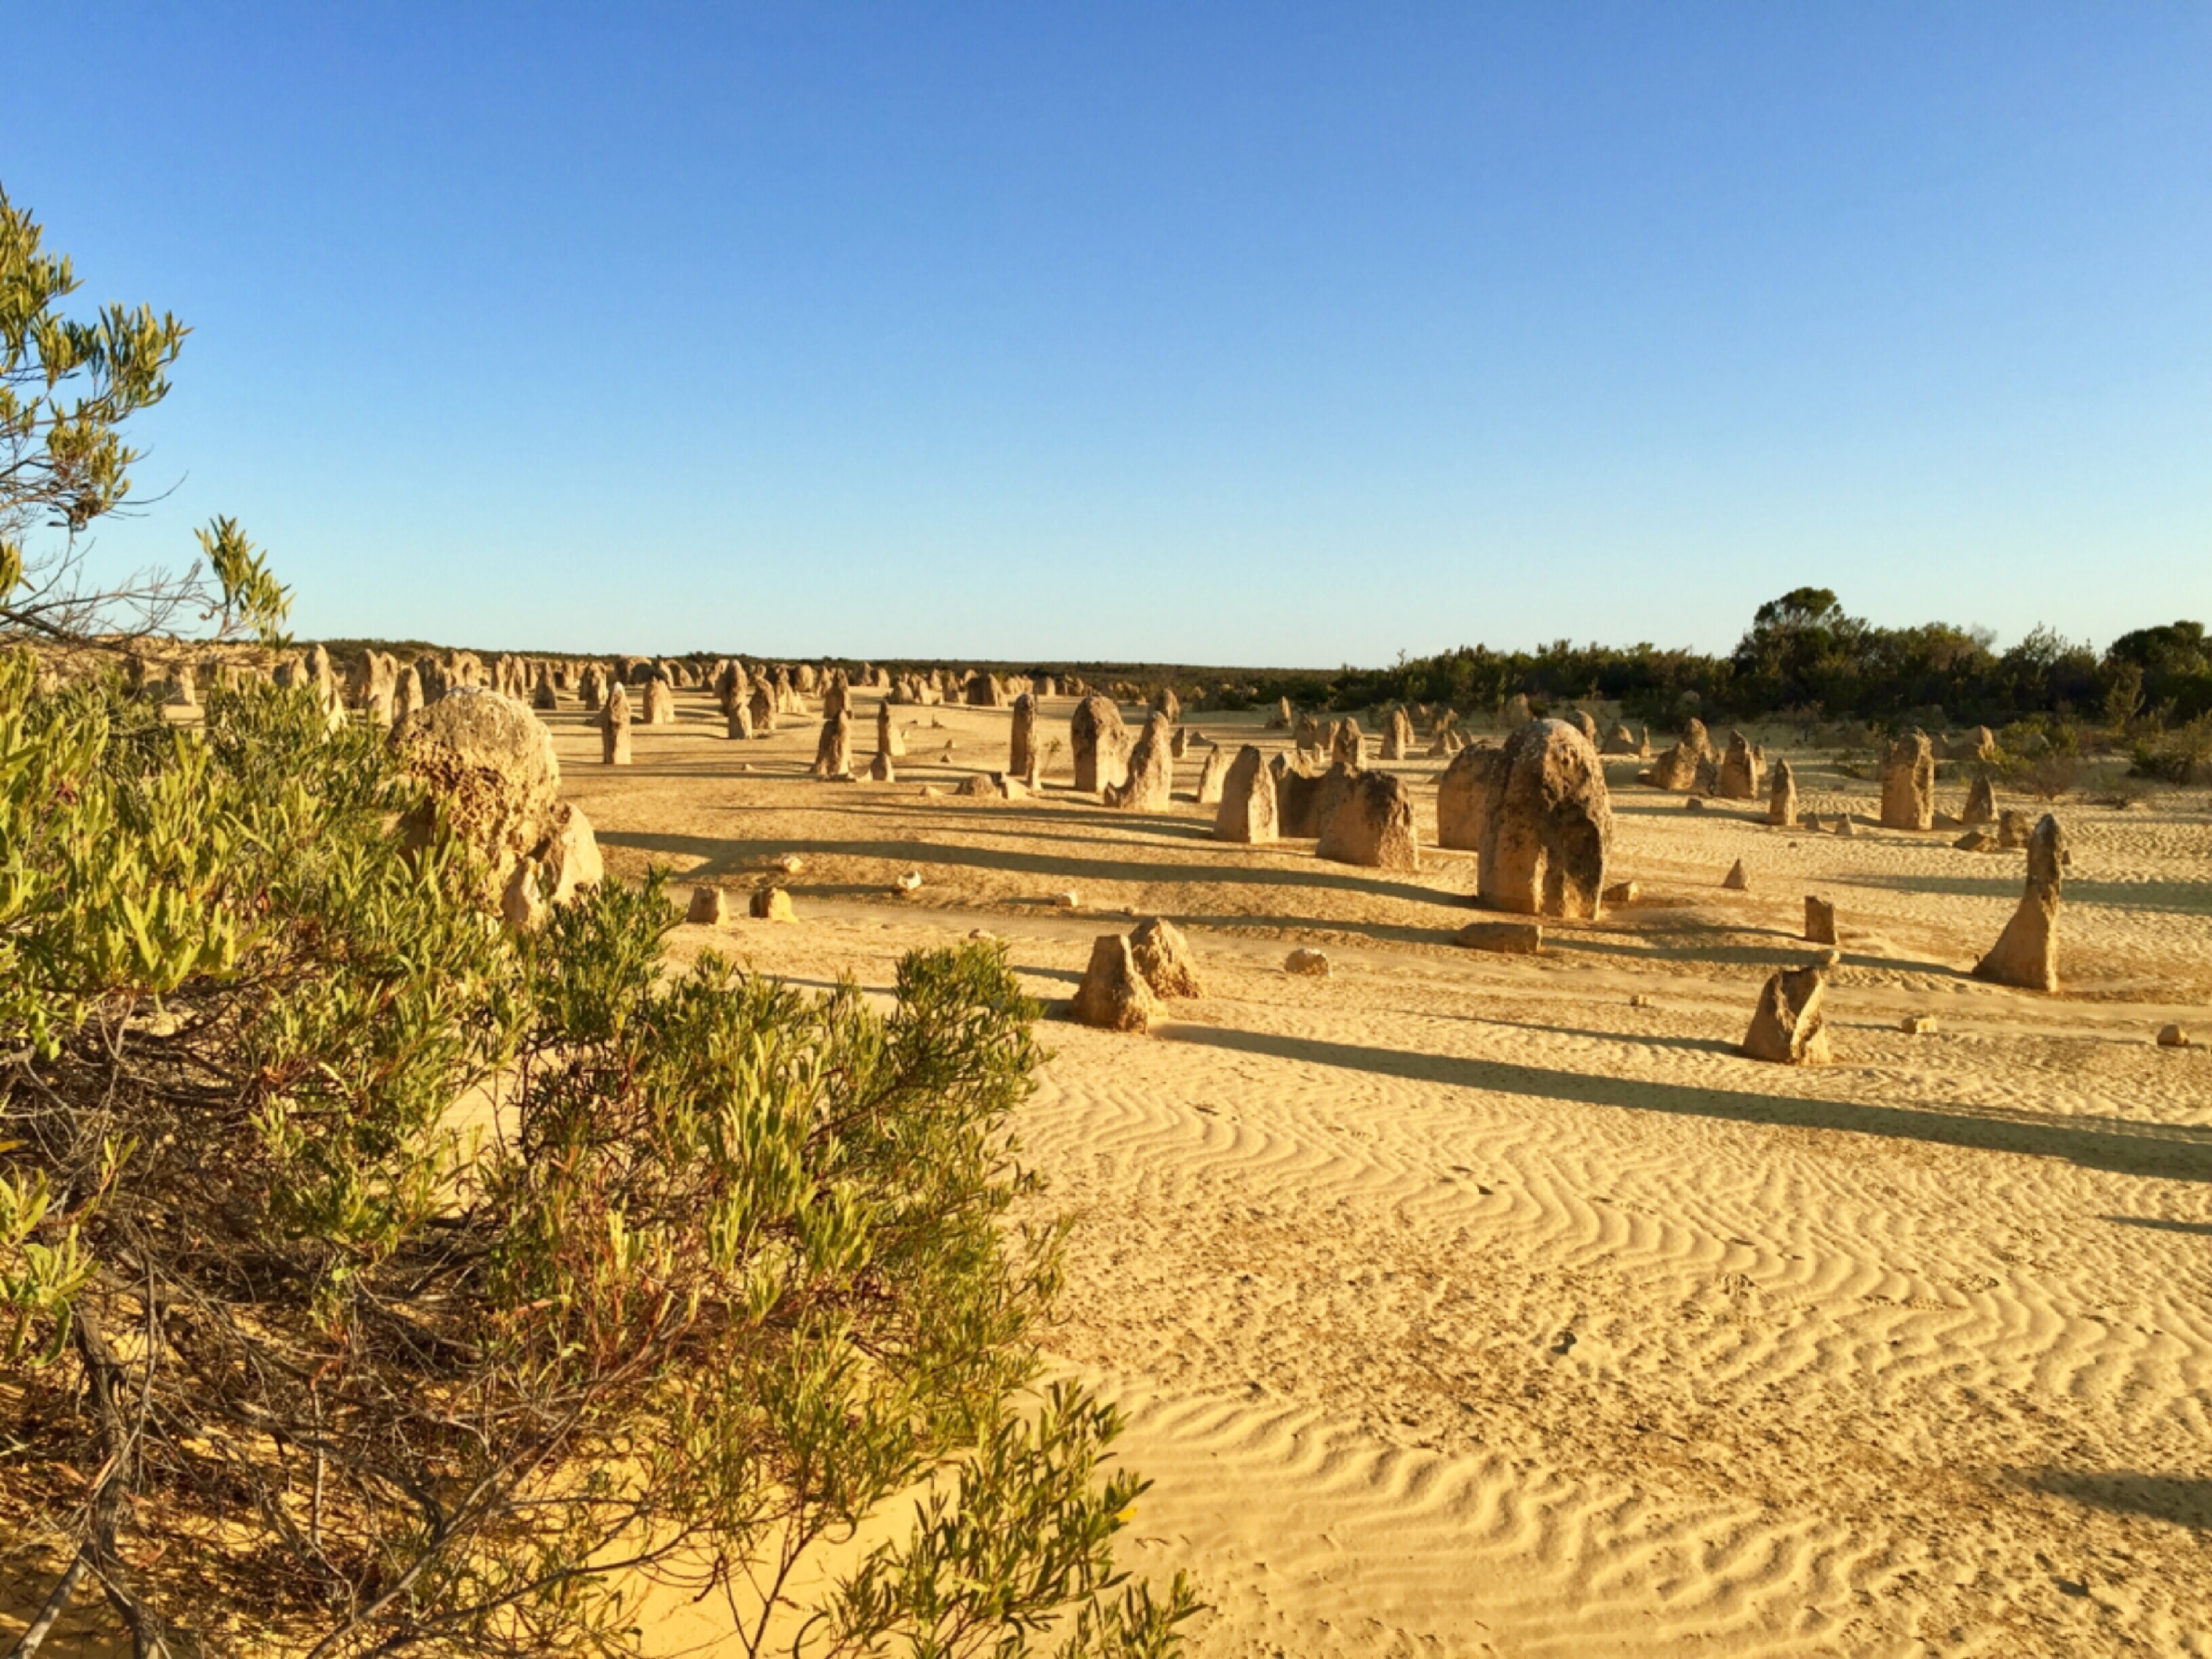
(1463, 1305)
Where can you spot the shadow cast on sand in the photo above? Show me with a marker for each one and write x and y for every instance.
(2184, 1499)
(2160, 1224)
(2168, 1152)
(1637, 1039)
(2178, 897)
(1685, 944)
(725, 857)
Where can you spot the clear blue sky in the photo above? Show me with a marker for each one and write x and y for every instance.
(1259, 334)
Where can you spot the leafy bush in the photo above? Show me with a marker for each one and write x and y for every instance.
(372, 1280)
(2053, 774)
(2182, 755)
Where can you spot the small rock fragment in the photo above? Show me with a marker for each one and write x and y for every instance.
(1306, 961)
(2173, 1036)
(1621, 892)
(773, 904)
(708, 909)
(1916, 1025)
(1820, 921)
(1736, 881)
(1517, 938)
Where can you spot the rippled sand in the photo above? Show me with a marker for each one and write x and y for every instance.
(1462, 1305)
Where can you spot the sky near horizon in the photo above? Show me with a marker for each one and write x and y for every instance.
(1261, 334)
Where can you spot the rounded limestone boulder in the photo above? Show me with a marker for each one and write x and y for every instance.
(488, 763)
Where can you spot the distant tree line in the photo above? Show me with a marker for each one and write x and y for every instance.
(1804, 657)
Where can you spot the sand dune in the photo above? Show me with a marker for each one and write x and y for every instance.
(1462, 1306)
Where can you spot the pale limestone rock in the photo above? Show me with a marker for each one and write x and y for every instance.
(1348, 743)
(1100, 744)
(833, 751)
(1248, 801)
(1908, 783)
(1981, 802)
(564, 863)
(1022, 757)
(1330, 790)
(488, 766)
(1538, 818)
(1788, 1027)
(1518, 939)
(1398, 736)
(1150, 783)
(1210, 772)
(1373, 826)
(1113, 995)
(1162, 956)
(1739, 770)
(2026, 952)
(614, 727)
(1781, 799)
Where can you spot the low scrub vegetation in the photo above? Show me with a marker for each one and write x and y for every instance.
(372, 1278)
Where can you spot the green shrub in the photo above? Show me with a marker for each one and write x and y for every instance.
(2182, 755)
(371, 1279)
